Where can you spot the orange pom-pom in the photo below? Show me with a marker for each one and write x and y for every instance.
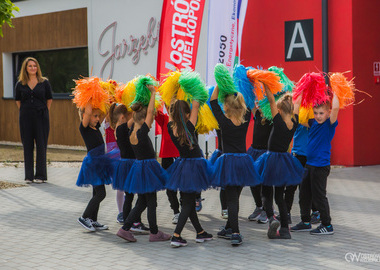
(259, 77)
(343, 89)
(90, 90)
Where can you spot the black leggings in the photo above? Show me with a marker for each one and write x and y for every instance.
(172, 195)
(188, 211)
(92, 209)
(279, 198)
(147, 200)
(256, 193)
(232, 196)
(223, 199)
(127, 206)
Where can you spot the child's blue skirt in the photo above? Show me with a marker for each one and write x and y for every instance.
(122, 169)
(189, 175)
(145, 176)
(235, 169)
(255, 153)
(279, 169)
(98, 167)
(217, 153)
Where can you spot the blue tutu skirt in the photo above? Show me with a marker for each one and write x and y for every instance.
(279, 169)
(189, 175)
(255, 153)
(145, 176)
(235, 169)
(122, 169)
(217, 153)
(98, 167)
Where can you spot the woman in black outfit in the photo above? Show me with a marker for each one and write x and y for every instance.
(33, 98)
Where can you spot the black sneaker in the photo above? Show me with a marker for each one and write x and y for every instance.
(301, 227)
(86, 223)
(273, 226)
(284, 233)
(203, 237)
(178, 242)
(139, 228)
(315, 218)
(226, 234)
(323, 230)
(236, 239)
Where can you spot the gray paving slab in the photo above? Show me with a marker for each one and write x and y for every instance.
(38, 229)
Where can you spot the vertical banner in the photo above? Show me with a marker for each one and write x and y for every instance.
(181, 22)
(224, 31)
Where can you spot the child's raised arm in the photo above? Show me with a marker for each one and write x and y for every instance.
(194, 112)
(150, 111)
(87, 115)
(272, 101)
(297, 104)
(215, 93)
(334, 109)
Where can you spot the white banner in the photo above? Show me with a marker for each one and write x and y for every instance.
(222, 35)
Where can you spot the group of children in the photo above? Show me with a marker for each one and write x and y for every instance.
(267, 167)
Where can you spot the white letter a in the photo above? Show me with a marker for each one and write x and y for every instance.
(303, 44)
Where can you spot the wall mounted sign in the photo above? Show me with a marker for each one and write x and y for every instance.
(132, 46)
(299, 40)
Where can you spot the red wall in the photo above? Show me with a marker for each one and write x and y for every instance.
(264, 44)
(340, 59)
(366, 50)
(354, 44)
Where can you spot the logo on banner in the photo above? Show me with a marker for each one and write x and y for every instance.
(181, 22)
(299, 40)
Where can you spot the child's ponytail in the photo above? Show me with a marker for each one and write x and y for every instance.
(178, 112)
(114, 113)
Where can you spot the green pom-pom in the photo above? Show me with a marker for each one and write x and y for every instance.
(193, 86)
(224, 81)
(142, 91)
(265, 106)
(288, 84)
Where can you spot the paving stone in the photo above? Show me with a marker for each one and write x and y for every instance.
(38, 229)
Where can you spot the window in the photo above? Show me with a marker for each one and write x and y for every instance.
(59, 66)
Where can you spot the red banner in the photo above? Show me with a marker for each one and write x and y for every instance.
(180, 27)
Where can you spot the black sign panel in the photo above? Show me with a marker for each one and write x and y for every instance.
(299, 40)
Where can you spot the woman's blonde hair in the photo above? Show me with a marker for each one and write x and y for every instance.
(236, 107)
(285, 104)
(24, 77)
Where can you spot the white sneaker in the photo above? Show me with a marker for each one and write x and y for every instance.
(99, 226)
(175, 218)
(225, 214)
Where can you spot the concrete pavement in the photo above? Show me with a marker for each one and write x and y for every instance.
(38, 229)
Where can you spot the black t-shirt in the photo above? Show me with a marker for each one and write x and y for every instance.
(281, 136)
(91, 137)
(184, 150)
(220, 140)
(36, 98)
(261, 132)
(122, 140)
(144, 148)
(233, 137)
